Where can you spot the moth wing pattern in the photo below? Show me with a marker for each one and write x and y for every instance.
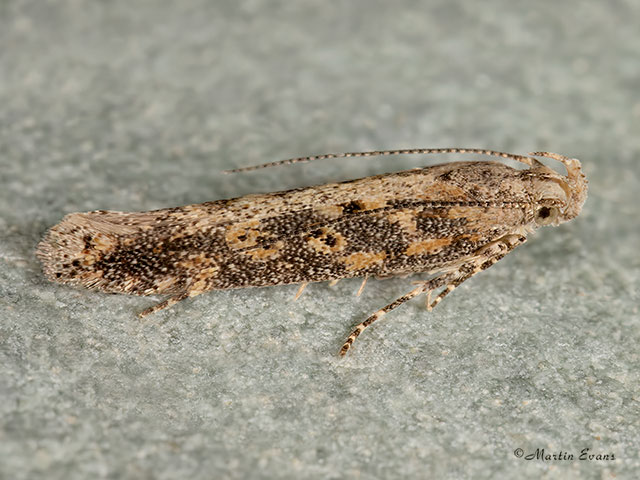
(452, 220)
(388, 225)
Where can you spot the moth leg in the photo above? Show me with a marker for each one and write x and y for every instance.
(300, 290)
(421, 288)
(333, 283)
(484, 258)
(165, 304)
(364, 282)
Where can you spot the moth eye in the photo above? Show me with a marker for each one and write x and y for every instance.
(546, 215)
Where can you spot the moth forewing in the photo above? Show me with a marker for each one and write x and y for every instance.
(456, 219)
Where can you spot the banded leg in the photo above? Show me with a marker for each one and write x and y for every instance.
(485, 257)
(482, 259)
(420, 289)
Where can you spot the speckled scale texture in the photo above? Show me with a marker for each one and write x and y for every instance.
(446, 218)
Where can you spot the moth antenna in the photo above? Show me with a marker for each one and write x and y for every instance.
(532, 162)
(572, 164)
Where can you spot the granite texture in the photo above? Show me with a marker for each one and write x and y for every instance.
(140, 105)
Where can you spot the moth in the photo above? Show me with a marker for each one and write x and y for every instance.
(450, 221)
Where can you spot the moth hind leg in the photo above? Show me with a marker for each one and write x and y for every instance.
(420, 289)
(483, 259)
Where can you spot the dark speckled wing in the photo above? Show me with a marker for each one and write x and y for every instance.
(394, 239)
(420, 220)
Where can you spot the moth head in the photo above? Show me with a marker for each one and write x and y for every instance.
(560, 197)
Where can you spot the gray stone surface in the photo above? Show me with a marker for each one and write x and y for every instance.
(140, 105)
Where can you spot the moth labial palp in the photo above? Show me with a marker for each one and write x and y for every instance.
(451, 220)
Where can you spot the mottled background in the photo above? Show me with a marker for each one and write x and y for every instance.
(140, 105)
